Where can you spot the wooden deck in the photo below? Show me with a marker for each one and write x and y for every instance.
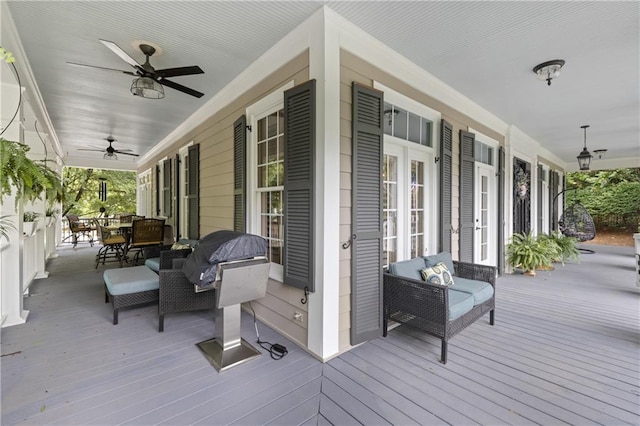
(565, 350)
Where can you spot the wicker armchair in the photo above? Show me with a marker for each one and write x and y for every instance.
(177, 294)
(425, 306)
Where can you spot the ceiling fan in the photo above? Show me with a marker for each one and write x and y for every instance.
(110, 152)
(146, 85)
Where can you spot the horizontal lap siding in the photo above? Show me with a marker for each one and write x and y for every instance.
(215, 136)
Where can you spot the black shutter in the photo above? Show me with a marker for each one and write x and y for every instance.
(178, 203)
(446, 170)
(299, 181)
(366, 214)
(166, 187)
(540, 196)
(158, 189)
(501, 178)
(467, 196)
(193, 193)
(239, 172)
(554, 180)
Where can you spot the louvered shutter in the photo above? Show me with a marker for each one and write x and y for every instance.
(366, 210)
(158, 189)
(467, 196)
(193, 193)
(176, 194)
(501, 194)
(554, 180)
(446, 170)
(540, 196)
(239, 172)
(299, 181)
(166, 188)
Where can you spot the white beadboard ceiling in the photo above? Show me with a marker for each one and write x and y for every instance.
(483, 49)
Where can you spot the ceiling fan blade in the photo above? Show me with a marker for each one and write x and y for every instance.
(121, 53)
(126, 153)
(102, 68)
(180, 88)
(90, 149)
(175, 72)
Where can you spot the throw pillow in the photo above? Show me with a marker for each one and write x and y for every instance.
(437, 274)
(178, 246)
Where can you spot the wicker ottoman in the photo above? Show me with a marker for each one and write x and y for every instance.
(130, 287)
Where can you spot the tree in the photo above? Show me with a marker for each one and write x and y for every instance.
(82, 186)
(612, 197)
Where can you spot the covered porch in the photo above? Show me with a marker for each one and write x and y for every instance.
(564, 349)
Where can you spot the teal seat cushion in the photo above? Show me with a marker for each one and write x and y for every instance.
(130, 280)
(459, 303)
(444, 257)
(408, 268)
(153, 264)
(480, 290)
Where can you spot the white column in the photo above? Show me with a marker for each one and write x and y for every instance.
(324, 66)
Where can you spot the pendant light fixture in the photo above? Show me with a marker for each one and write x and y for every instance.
(584, 158)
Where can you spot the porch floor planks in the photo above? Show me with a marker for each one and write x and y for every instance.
(565, 349)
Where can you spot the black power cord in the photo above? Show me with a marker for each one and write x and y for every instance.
(276, 350)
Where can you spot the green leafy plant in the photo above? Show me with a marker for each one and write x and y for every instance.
(562, 247)
(52, 212)
(526, 252)
(31, 179)
(29, 216)
(5, 226)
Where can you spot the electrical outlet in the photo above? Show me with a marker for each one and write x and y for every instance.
(297, 316)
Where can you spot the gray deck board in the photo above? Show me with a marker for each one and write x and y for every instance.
(565, 349)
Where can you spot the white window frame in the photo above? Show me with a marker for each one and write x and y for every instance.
(145, 194)
(183, 203)
(265, 106)
(406, 151)
(160, 183)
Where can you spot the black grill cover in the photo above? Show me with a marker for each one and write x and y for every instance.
(201, 266)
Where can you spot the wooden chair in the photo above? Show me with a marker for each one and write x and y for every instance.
(145, 233)
(113, 245)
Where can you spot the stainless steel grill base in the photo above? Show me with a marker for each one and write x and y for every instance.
(223, 359)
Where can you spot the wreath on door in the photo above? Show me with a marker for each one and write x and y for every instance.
(521, 183)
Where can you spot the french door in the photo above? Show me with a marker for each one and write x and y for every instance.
(485, 216)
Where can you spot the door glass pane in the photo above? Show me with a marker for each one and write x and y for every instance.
(400, 123)
(416, 198)
(389, 210)
(414, 128)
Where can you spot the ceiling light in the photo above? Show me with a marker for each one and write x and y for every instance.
(600, 153)
(548, 70)
(584, 158)
(110, 156)
(146, 87)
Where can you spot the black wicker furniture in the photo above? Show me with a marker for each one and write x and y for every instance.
(177, 293)
(439, 310)
(127, 287)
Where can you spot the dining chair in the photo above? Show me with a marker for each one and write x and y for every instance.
(144, 233)
(129, 218)
(113, 244)
(79, 228)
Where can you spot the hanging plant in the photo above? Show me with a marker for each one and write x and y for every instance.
(521, 184)
(30, 179)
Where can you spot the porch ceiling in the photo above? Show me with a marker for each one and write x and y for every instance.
(485, 50)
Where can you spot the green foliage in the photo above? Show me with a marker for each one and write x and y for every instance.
(81, 191)
(31, 179)
(612, 197)
(29, 216)
(561, 247)
(5, 226)
(526, 252)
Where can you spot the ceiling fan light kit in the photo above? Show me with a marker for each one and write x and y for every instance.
(110, 153)
(548, 70)
(148, 88)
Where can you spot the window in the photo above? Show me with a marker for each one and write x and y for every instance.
(270, 182)
(406, 125)
(145, 193)
(265, 175)
(484, 153)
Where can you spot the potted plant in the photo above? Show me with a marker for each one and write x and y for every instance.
(52, 215)
(30, 220)
(562, 248)
(527, 253)
(30, 178)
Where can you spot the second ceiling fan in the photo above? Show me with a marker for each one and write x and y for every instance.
(110, 152)
(147, 85)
